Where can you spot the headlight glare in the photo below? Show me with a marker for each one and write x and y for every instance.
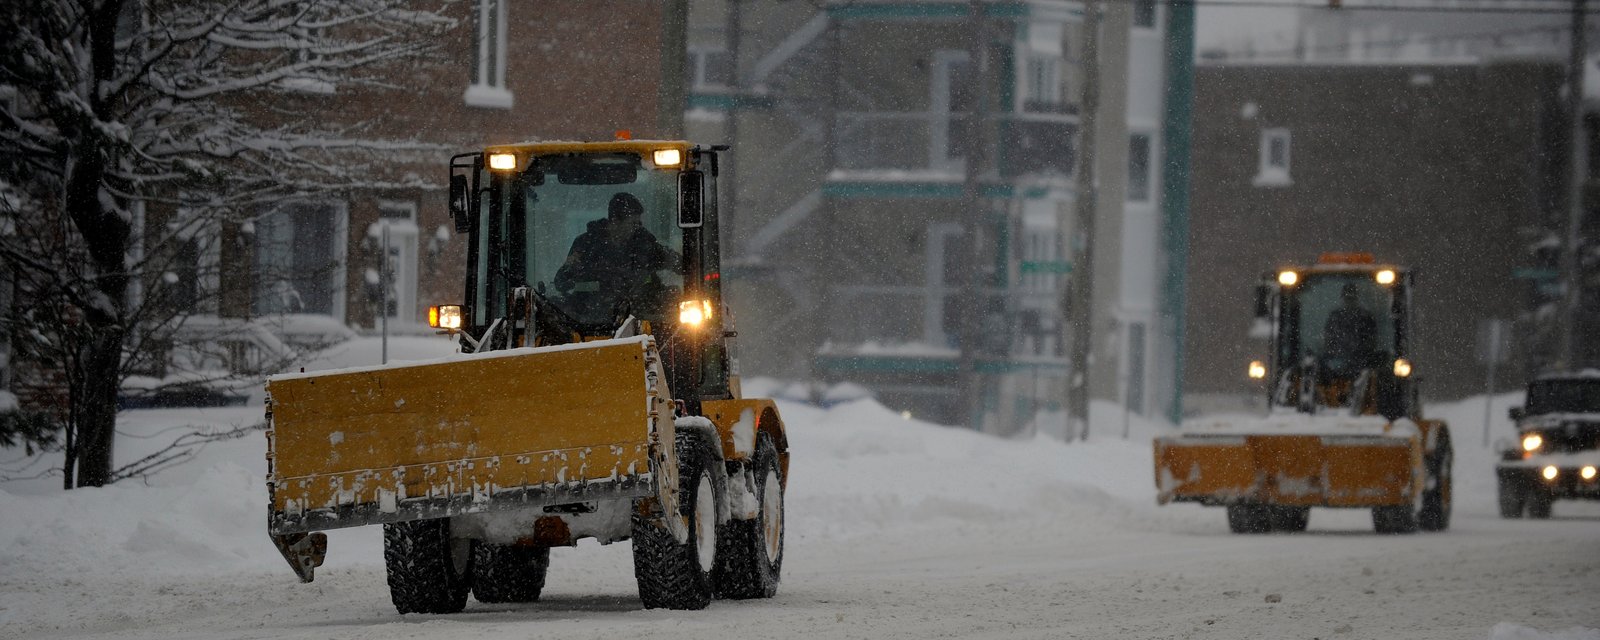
(446, 316)
(694, 312)
(1257, 370)
(1532, 442)
(1587, 472)
(502, 161)
(1550, 472)
(1402, 368)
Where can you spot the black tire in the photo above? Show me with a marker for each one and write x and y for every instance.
(1395, 520)
(1436, 495)
(747, 565)
(428, 572)
(1513, 496)
(1539, 502)
(508, 573)
(1289, 519)
(1249, 518)
(674, 575)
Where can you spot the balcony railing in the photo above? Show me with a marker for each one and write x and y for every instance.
(921, 142)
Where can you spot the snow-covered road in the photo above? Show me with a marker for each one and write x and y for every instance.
(896, 529)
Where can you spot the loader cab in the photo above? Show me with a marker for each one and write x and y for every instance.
(1340, 336)
(572, 242)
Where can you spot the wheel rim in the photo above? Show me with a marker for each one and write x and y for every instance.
(772, 516)
(705, 523)
(460, 555)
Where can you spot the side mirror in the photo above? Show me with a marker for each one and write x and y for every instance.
(460, 202)
(1263, 301)
(1517, 414)
(691, 199)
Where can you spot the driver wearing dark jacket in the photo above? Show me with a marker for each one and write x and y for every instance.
(616, 257)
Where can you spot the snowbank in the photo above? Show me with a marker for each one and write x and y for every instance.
(1508, 631)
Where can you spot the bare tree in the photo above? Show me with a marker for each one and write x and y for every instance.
(108, 107)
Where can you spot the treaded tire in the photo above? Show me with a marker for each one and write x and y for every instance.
(1289, 519)
(1249, 518)
(1435, 514)
(1394, 520)
(746, 568)
(671, 575)
(1513, 496)
(508, 573)
(1539, 502)
(428, 573)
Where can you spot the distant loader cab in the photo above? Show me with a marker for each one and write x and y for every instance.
(596, 395)
(1345, 426)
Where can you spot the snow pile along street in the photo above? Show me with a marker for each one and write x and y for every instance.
(896, 528)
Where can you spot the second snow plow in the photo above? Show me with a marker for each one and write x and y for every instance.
(1345, 427)
(595, 397)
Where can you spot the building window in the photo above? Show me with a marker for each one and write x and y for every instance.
(1139, 167)
(1274, 167)
(299, 266)
(1044, 84)
(1144, 13)
(489, 62)
(710, 68)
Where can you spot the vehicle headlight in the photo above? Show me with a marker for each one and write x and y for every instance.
(1587, 472)
(1402, 368)
(1550, 472)
(445, 316)
(667, 158)
(694, 312)
(1532, 442)
(502, 161)
(1257, 370)
(1385, 276)
(1288, 278)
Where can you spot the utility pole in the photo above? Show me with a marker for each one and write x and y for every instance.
(1571, 261)
(976, 147)
(735, 41)
(1081, 281)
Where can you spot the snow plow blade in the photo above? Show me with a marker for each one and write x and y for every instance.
(467, 434)
(1364, 463)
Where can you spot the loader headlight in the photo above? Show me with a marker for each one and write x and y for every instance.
(667, 158)
(1385, 276)
(502, 161)
(694, 312)
(1550, 472)
(1532, 442)
(1288, 278)
(447, 316)
(1587, 473)
(1402, 368)
(1257, 370)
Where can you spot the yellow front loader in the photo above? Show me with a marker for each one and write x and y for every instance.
(594, 396)
(1345, 426)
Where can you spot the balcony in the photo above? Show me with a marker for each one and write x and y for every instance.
(929, 147)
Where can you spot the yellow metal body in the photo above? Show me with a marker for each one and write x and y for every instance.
(1380, 465)
(1329, 459)
(521, 427)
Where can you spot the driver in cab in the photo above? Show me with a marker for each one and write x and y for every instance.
(1349, 336)
(616, 258)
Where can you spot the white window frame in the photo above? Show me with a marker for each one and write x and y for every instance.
(1155, 14)
(488, 88)
(340, 254)
(699, 57)
(1269, 173)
